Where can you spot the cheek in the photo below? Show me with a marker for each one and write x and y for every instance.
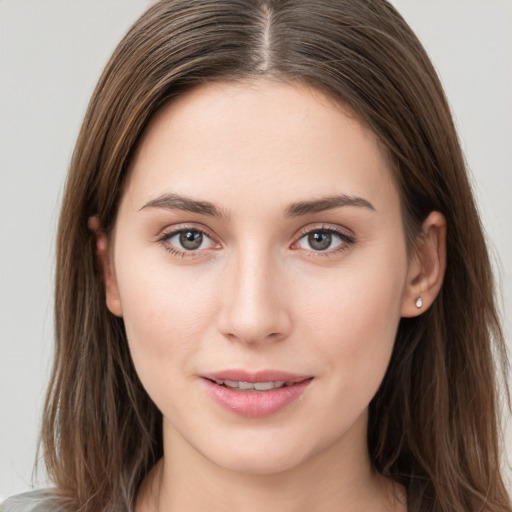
(165, 313)
(354, 319)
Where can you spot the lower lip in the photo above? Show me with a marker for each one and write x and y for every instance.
(256, 404)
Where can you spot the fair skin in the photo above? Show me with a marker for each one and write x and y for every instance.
(264, 277)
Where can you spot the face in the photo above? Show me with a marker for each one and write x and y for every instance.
(259, 264)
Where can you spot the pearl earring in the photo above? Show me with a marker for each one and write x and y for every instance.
(419, 302)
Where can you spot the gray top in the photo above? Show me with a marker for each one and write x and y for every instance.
(42, 500)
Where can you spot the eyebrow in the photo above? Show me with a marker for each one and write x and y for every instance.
(326, 203)
(187, 204)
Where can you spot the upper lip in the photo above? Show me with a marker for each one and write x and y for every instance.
(258, 376)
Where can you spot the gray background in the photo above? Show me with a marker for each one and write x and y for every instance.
(51, 54)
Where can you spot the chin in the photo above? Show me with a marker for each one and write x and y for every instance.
(259, 463)
(270, 454)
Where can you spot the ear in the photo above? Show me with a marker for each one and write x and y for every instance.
(427, 266)
(102, 254)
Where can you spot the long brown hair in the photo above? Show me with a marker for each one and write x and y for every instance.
(434, 421)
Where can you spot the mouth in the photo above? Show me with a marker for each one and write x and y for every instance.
(255, 395)
(253, 386)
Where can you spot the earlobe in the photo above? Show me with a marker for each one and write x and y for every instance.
(102, 254)
(427, 267)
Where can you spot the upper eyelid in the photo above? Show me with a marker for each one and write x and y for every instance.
(173, 230)
(325, 227)
(170, 231)
(347, 237)
(165, 235)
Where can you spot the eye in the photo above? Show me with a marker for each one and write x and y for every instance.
(324, 240)
(189, 240)
(186, 240)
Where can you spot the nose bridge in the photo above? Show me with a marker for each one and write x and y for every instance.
(254, 306)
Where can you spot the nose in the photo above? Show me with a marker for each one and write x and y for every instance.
(254, 305)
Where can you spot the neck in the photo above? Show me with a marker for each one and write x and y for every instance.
(337, 478)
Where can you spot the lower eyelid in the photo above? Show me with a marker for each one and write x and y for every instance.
(165, 237)
(345, 241)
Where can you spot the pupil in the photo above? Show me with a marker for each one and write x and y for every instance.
(191, 240)
(320, 241)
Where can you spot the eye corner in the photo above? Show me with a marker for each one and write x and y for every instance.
(200, 240)
(328, 234)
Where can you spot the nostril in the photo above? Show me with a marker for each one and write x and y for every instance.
(252, 312)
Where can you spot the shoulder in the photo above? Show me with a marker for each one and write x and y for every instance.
(35, 501)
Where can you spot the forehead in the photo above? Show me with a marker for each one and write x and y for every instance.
(262, 140)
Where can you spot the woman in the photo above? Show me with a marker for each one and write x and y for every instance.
(272, 286)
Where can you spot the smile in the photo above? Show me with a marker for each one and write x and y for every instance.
(255, 395)
(249, 386)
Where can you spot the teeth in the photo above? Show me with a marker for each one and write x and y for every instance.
(265, 386)
(258, 386)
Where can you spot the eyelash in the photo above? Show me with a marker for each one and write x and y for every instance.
(168, 235)
(346, 240)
